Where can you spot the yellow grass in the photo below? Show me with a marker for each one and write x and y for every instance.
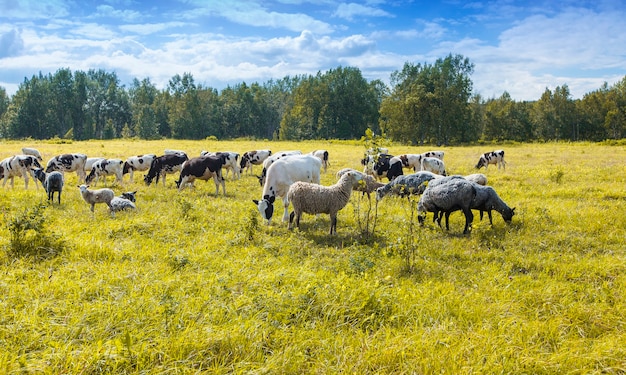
(193, 283)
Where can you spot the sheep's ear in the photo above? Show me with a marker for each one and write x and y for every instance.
(272, 199)
(255, 202)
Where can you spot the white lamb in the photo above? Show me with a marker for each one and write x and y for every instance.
(96, 196)
(366, 185)
(33, 152)
(317, 199)
(123, 202)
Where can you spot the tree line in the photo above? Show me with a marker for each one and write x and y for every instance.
(424, 104)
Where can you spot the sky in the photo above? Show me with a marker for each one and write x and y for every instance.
(518, 47)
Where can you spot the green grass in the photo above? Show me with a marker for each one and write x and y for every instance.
(193, 283)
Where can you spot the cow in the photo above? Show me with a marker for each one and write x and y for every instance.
(203, 168)
(397, 163)
(32, 151)
(323, 156)
(90, 162)
(269, 161)
(379, 167)
(433, 154)
(433, 165)
(137, 163)
(163, 165)
(19, 165)
(231, 162)
(106, 167)
(69, 163)
(493, 157)
(255, 157)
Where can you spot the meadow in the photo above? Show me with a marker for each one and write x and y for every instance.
(193, 283)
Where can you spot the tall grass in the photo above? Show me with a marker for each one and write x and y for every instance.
(193, 283)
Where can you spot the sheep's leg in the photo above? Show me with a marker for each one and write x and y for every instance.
(469, 217)
(333, 224)
(489, 214)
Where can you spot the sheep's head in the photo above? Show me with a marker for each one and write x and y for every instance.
(507, 215)
(83, 188)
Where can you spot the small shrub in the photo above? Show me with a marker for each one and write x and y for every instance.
(557, 175)
(30, 237)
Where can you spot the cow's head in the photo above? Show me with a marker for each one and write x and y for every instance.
(266, 207)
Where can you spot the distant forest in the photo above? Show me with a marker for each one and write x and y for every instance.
(424, 104)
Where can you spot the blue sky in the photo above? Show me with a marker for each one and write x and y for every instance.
(522, 47)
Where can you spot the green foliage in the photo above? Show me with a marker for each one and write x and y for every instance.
(30, 237)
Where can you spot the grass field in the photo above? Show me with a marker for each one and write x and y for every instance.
(193, 283)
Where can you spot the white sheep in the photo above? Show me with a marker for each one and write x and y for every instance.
(406, 185)
(312, 198)
(33, 152)
(96, 196)
(51, 182)
(124, 202)
(367, 185)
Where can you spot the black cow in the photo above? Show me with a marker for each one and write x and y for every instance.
(163, 165)
(382, 165)
(203, 168)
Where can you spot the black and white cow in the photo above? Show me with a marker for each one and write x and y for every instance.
(163, 165)
(203, 168)
(398, 163)
(68, 163)
(16, 166)
(137, 163)
(106, 167)
(231, 162)
(493, 157)
(323, 156)
(381, 166)
(256, 157)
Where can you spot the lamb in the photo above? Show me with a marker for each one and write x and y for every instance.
(33, 152)
(123, 202)
(317, 199)
(96, 196)
(51, 182)
(367, 185)
(406, 185)
(451, 195)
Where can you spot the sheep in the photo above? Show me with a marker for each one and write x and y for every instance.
(280, 176)
(406, 185)
(487, 199)
(51, 182)
(478, 178)
(96, 196)
(33, 152)
(317, 199)
(367, 185)
(453, 194)
(123, 202)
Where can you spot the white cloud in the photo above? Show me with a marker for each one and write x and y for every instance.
(33, 9)
(151, 28)
(349, 11)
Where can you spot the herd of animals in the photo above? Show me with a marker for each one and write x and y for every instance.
(290, 175)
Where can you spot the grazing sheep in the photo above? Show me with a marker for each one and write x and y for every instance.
(51, 182)
(123, 202)
(406, 185)
(317, 199)
(96, 196)
(478, 178)
(454, 194)
(33, 152)
(487, 199)
(367, 185)
(280, 176)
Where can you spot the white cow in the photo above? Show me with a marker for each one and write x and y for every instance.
(254, 157)
(106, 167)
(269, 161)
(138, 163)
(493, 157)
(18, 166)
(68, 163)
(433, 165)
(280, 175)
